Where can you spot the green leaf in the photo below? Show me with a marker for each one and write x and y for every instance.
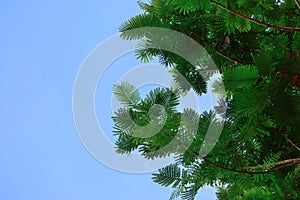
(240, 77)
(264, 62)
(168, 175)
(248, 101)
(242, 25)
(296, 41)
(190, 192)
(126, 94)
(186, 7)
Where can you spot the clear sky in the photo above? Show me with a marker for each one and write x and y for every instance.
(42, 45)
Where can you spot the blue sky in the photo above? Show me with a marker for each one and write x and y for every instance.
(42, 45)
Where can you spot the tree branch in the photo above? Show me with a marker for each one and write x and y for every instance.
(295, 17)
(291, 142)
(199, 37)
(242, 171)
(297, 3)
(288, 162)
(252, 167)
(223, 68)
(285, 137)
(256, 21)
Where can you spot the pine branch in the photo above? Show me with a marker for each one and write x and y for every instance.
(254, 20)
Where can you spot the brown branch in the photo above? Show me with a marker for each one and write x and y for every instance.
(199, 37)
(253, 167)
(227, 67)
(288, 196)
(230, 66)
(291, 142)
(295, 17)
(230, 169)
(212, 70)
(287, 48)
(224, 56)
(288, 162)
(285, 137)
(254, 20)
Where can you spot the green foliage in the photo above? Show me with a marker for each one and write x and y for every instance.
(264, 63)
(257, 194)
(296, 41)
(248, 101)
(242, 25)
(126, 94)
(240, 77)
(169, 175)
(256, 49)
(186, 7)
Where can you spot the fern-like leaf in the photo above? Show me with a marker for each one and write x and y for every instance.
(240, 77)
(126, 94)
(168, 175)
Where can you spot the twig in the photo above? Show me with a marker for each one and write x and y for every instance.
(248, 172)
(291, 142)
(234, 170)
(285, 163)
(254, 20)
(295, 17)
(212, 70)
(199, 37)
(297, 3)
